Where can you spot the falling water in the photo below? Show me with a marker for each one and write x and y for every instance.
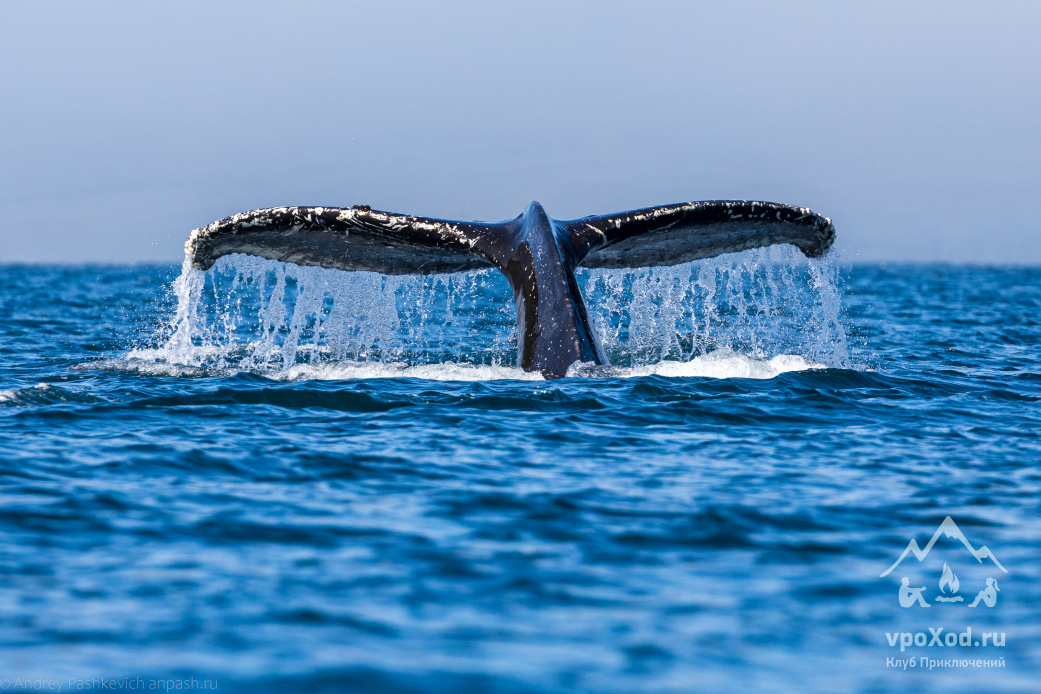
(760, 303)
(262, 316)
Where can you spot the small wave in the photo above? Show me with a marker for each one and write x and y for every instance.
(139, 363)
(44, 394)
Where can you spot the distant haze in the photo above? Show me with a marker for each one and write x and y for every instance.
(915, 126)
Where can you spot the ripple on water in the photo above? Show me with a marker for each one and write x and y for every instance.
(341, 509)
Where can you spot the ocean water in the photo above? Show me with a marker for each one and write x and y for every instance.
(269, 478)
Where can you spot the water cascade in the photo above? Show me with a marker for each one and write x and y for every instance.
(280, 320)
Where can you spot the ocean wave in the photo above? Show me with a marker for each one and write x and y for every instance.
(721, 364)
(240, 511)
(145, 364)
(44, 394)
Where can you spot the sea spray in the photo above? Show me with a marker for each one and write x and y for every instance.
(262, 316)
(760, 303)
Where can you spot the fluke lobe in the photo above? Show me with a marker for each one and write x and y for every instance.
(537, 254)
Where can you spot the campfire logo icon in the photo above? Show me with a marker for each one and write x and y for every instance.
(949, 583)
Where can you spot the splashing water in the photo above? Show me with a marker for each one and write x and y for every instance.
(761, 304)
(752, 314)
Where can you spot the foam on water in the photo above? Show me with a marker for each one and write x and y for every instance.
(752, 315)
(719, 364)
(727, 364)
(337, 371)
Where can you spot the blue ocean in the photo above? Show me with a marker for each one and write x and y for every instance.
(796, 476)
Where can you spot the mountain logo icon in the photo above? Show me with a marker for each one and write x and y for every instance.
(951, 530)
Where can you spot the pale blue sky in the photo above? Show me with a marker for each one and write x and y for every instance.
(915, 126)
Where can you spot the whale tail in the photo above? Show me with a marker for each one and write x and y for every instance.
(537, 254)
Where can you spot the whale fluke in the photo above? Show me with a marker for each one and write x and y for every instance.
(352, 238)
(537, 254)
(674, 234)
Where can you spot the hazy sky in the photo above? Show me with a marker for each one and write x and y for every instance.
(915, 126)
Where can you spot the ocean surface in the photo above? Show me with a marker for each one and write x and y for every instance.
(276, 479)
